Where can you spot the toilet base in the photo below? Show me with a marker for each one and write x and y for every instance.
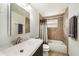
(45, 53)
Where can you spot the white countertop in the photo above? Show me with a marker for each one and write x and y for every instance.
(29, 47)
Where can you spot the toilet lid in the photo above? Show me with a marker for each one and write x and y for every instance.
(45, 46)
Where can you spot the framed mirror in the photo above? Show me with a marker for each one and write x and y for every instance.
(19, 20)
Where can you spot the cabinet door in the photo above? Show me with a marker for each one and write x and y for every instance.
(39, 51)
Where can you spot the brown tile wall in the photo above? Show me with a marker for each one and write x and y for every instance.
(56, 33)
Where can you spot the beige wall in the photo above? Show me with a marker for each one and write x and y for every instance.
(73, 44)
(65, 26)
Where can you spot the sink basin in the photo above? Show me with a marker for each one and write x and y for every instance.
(1, 54)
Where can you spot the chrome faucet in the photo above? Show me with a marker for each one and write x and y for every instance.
(19, 40)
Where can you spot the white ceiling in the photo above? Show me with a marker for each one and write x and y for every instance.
(48, 9)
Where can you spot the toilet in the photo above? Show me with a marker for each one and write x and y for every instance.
(45, 49)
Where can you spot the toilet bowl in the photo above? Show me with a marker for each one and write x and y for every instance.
(45, 47)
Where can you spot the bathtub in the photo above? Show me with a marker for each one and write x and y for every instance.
(59, 46)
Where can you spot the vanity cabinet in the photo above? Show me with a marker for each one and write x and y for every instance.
(39, 51)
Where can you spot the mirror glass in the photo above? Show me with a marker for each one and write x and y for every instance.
(20, 20)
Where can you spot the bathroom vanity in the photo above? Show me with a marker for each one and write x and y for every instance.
(31, 47)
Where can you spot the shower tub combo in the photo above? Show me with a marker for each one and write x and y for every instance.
(58, 46)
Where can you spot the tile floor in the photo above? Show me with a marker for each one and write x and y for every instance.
(54, 53)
